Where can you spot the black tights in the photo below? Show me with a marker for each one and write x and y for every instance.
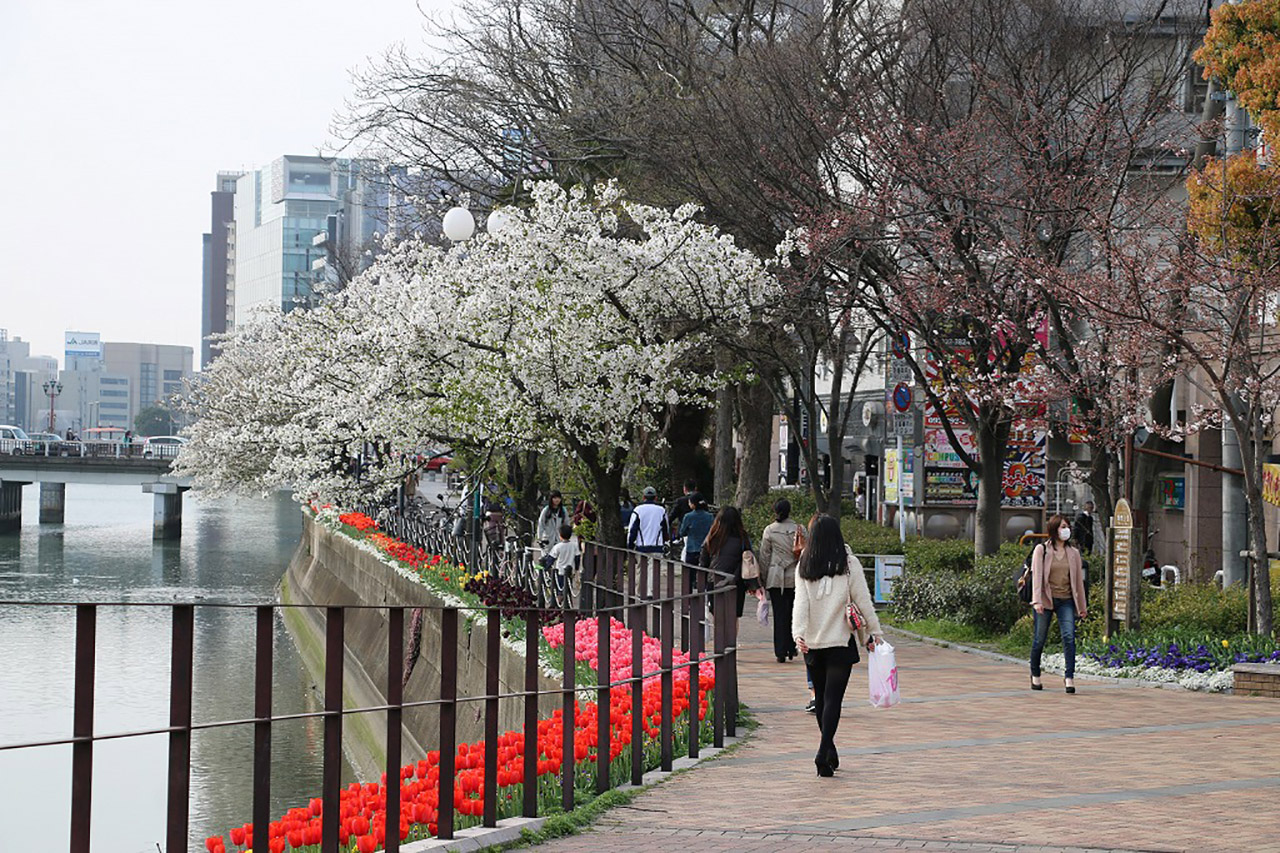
(830, 670)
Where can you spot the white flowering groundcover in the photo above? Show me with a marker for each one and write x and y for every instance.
(1211, 682)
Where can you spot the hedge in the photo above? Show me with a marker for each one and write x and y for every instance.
(864, 537)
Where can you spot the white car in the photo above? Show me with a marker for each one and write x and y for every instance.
(162, 446)
(14, 441)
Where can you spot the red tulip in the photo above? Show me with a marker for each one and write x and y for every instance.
(367, 844)
(237, 836)
(276, 845)
(211, 842)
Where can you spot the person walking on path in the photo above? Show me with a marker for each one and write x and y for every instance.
(649, 530)
(726, 544)
(1057, 588)
(682, 506)
(1082, 532)
(695, 526)
(780, 547)
(828, 580)
(553, 515)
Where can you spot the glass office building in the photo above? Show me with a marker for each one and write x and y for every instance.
(280, 209)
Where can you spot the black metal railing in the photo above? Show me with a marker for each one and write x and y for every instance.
(642, 591)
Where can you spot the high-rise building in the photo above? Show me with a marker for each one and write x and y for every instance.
(218, 298)
(292, 219)
(22, 377)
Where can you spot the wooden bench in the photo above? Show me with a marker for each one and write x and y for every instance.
(1257, 679)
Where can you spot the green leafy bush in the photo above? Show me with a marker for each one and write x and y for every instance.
(1195, 607)
(932, 556)
(864, 537)
(981, 596)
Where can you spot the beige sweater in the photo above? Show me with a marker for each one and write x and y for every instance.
(818, 618)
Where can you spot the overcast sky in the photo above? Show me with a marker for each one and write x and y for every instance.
(116, 117)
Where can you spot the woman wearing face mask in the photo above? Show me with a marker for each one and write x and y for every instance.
(1057, 588)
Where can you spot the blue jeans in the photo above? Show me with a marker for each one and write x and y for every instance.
(1065, 608)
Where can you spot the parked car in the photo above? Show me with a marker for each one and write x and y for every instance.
(49, 444)
(162, 446)
(14, 441)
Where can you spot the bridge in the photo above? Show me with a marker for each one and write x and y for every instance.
(53, 473)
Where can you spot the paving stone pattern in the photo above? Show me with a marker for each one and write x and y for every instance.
(971, 760)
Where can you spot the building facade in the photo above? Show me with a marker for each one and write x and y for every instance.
(109, 387)
(22, 378)
(218, 294)
(291, 220)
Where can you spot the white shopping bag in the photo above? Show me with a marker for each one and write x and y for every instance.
(882, 676)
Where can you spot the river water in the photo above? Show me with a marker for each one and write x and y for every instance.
(233, 549)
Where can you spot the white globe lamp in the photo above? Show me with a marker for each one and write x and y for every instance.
(459, 224)
(499, 222)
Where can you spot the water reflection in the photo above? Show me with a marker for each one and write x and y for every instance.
(230, 550)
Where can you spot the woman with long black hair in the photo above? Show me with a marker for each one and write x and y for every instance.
(725, 544)
(829, 580)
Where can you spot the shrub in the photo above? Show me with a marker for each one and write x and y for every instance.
(981, 596)
(864, 537)
(868, 537)
(932, 556)
(1195, 607)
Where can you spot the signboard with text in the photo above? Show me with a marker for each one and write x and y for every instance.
(1120, 574)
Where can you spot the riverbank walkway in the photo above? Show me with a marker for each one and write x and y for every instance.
(971, 760)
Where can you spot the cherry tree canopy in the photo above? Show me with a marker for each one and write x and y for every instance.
(568, 330)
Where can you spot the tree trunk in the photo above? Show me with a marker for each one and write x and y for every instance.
(1100, 488)
(725, 456)
(988, 532)
(686, 427)
(608, 488)
(755, 403)
(1253, 452)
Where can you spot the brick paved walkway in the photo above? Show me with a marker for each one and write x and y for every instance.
(971, 760)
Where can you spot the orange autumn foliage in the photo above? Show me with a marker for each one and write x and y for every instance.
(1242, 50)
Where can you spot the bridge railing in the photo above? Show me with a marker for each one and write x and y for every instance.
(625, 588)
(87, 449)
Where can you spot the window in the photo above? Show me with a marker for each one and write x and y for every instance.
(107, 380)
(173, 376)
(114, 393)
(115, 405)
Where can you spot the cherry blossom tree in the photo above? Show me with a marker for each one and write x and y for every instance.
(568, 331)
(980, 146)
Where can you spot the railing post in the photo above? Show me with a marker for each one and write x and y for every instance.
(604, 627)
(335, 620)
(82, 727)
(181, 647)
(637, 691)
(697, 608)
(686, 604)
(395, 716)
(531, 631)
(448, 718)
(667, 612)
(568, 764)
(717, 617)
(731, 663)
(493, 650)
(265, 642)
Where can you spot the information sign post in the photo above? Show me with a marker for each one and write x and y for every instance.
(1121, 604)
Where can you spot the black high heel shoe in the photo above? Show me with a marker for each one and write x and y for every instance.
(825, 770)
(1035, 686)
(1070, 688)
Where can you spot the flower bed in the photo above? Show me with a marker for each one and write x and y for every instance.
(1196, 663)
(362, 813)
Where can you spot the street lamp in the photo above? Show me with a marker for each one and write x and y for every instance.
(458, 224)
(52, 388)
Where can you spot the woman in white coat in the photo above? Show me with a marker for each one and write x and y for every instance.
(828, 580)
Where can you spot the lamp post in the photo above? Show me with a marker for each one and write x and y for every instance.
(52, 388)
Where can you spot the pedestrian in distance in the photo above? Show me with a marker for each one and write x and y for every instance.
(649, 530)
(834, 616)
(1082, 531)
(1057, 589)
(780, 547)
(695, 526)
(625, 508)
(681, 506)
(564, 555)
(725, 551)
(552, 516)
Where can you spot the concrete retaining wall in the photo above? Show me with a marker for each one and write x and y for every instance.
(329, 569)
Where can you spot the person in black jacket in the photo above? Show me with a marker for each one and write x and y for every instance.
(726, 542)
(1083, 532)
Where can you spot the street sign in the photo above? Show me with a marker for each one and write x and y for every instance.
(902, 397)
(1120, 574)
(900, 345)
(904, 425)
